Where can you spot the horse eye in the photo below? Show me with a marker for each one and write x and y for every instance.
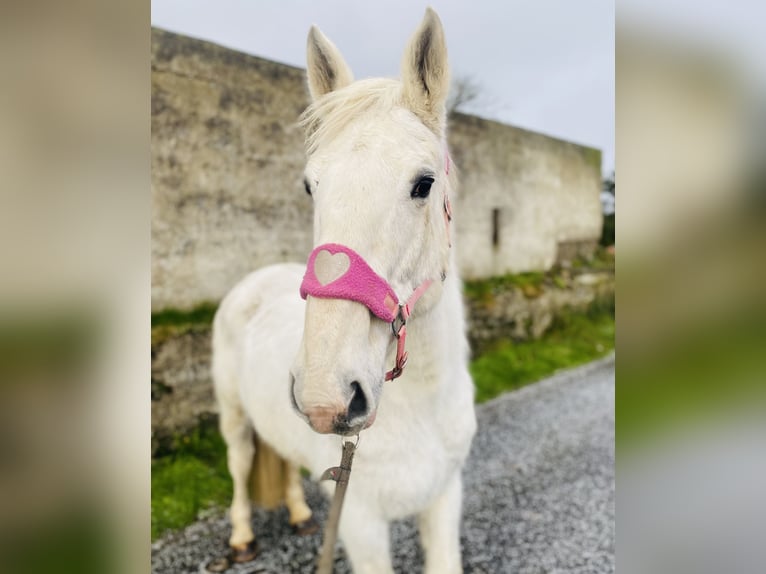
(307, 186)
(422, 188)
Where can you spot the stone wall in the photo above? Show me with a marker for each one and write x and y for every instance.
(523, 313)
(182, 388)
(227, 192)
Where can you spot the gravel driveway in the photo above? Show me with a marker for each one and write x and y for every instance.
(539, 493)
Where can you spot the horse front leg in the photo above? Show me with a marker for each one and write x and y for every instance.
(365, 538)
(439, 528)
(238, 434)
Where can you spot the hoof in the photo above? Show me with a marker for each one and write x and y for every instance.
(220, 564)
(244, 552)
(306, 527)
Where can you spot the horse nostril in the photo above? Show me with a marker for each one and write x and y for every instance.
(358, 405)
(293, 400)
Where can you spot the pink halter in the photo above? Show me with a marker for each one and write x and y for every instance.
(344, 274)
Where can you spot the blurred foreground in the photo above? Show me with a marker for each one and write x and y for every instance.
(691, 399)
(74, 294)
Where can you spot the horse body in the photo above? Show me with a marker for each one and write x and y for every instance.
(423, 427)
(278, 359)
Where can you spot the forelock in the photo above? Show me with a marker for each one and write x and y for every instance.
(330, 114)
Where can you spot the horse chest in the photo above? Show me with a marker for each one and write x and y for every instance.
(404, 463)
(403, 478)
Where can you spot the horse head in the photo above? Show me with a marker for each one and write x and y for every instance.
(378, 173)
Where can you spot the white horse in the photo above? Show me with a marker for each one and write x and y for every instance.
(379, 175)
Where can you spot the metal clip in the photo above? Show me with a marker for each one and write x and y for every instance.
(332, 473)
(398, 322)
(341, 473)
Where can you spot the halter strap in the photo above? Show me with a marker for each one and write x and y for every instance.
(400, 330)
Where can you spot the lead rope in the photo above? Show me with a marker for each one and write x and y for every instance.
(340, 474)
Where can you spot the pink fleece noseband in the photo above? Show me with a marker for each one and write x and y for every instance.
(338, 272)
(335, 271)
(343, 274)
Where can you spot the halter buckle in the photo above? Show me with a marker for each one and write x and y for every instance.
(399, 322)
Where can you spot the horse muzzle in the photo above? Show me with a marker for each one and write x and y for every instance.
(342, 419)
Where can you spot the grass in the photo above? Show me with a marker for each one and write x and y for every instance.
(191, 476)
(574, 339)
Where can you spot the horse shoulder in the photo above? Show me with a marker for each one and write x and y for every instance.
(241, 307)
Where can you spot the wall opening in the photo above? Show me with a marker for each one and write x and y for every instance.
(496, 227)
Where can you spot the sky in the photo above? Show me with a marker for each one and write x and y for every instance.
(543, 65)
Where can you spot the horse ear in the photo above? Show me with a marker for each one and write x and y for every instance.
(425, 72)
(327, 70)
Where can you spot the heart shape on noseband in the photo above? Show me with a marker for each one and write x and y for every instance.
(329, 267)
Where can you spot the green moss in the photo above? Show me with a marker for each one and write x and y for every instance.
(190, 477)
(483, 290)
(170, 323)
(181, 488)
(200, 315)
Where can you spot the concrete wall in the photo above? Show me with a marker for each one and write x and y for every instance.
(227, 164)
(227, 168)
(545, 191)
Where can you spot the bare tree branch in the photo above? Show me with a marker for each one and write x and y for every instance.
(468, 96)
(463, 92)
